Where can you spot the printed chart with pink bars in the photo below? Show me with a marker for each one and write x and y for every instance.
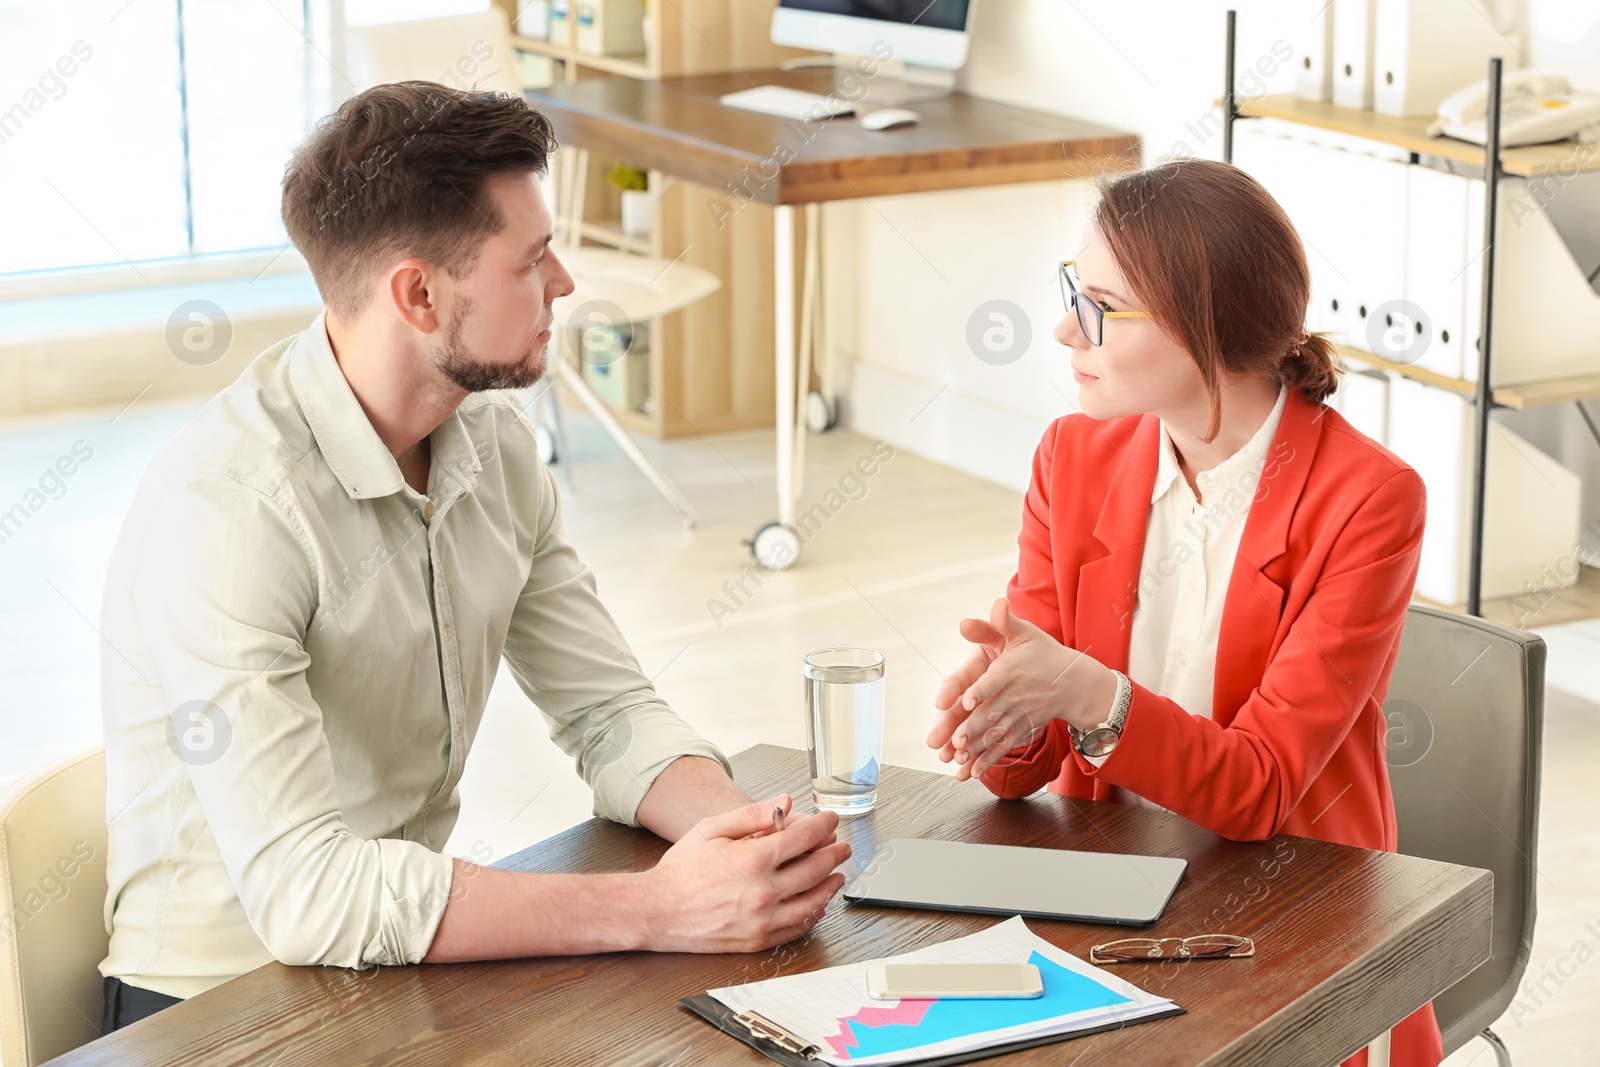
(831, 1007)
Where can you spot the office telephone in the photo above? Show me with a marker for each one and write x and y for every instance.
(1534, 108)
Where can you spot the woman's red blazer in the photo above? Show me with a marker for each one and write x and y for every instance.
(1310, 627)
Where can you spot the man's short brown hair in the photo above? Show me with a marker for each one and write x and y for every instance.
(399, 170)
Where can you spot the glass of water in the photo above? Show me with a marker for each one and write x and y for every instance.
(844, 727)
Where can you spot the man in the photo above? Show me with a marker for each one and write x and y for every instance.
(315, 583)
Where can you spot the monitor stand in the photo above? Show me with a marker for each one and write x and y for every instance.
(896, 84)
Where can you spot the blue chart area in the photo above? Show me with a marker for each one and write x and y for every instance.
(1065, 992)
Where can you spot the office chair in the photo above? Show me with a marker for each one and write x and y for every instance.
(1465, 710)
(52, 910)
(614, 289)
(612, 284)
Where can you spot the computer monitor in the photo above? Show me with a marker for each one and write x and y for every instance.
(918, 32)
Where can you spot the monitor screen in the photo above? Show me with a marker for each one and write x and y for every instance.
(935, 15)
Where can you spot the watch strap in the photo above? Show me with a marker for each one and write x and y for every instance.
(1121, 703)
(1113, 723)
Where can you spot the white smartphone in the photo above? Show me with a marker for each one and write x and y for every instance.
(953, 981)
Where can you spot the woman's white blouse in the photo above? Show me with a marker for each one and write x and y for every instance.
(1189, 548)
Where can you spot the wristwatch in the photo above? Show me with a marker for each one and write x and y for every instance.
(1100, 740)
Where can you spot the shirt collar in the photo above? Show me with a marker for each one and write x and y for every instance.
(351, 447)
(1229, 470)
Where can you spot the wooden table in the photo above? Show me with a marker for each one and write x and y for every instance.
(1349, 942)
(679, 127)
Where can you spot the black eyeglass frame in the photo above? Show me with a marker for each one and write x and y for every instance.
(1092, 321)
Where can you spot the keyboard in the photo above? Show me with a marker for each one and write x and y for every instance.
(788, 103)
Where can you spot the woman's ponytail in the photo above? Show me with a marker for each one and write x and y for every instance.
(1308, 367)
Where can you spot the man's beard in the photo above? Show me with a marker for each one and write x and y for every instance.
(474, 375)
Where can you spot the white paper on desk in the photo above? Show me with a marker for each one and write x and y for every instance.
(831, 1007)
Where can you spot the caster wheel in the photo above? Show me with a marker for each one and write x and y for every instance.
(775, 546)
(822, 412)
(545, 442)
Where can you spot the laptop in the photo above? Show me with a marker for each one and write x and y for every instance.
(1044, 883)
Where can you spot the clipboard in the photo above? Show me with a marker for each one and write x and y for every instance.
(794, 1051)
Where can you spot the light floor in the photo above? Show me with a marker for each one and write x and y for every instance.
(912, 550)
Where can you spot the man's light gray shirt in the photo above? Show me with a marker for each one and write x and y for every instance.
(298, 650)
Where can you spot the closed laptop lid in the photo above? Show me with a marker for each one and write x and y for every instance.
(1047, 883)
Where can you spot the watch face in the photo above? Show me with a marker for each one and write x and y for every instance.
(1099, 742)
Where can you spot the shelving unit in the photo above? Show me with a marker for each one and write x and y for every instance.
(1529, 161)
(1410, 134)
(1516, 397)
(574, 60)
(704, 377)
(681, 37)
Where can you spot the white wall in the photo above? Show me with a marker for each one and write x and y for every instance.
(905, 274)
(1564, 36)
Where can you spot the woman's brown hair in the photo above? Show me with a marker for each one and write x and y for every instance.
(1220, 267)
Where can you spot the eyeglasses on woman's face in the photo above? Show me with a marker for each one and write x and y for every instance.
(1091, 316)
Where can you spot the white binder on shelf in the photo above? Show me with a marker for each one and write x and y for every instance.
(1331, 247)
(1313, 72)
(533, 19)
(1378, 188)
(1261, 152)
(1363, 399)
(1270, 151)
(1354, 257)
(1432, 430)
(1472, 282)
(1424, 50)
(561, 23)
(1355, 220)
(1361, 224)
(1428, 429)
(1353, 24)
(1437, 273)
(1314, 219)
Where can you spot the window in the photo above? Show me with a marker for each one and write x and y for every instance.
(151, 129)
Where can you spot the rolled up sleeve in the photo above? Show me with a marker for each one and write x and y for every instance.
(229, 643)
(572, 661)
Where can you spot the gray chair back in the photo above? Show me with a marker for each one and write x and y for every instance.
(1465, 713)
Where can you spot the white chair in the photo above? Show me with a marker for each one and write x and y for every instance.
(52, 910)
(640, 288)
(632, 288)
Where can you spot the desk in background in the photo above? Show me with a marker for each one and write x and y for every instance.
(1348, 942)
(678, 127)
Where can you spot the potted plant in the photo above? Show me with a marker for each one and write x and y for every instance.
(634, 184)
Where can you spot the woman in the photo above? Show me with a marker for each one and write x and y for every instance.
(1214, 568)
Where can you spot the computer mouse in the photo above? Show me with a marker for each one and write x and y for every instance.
(887, 118)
